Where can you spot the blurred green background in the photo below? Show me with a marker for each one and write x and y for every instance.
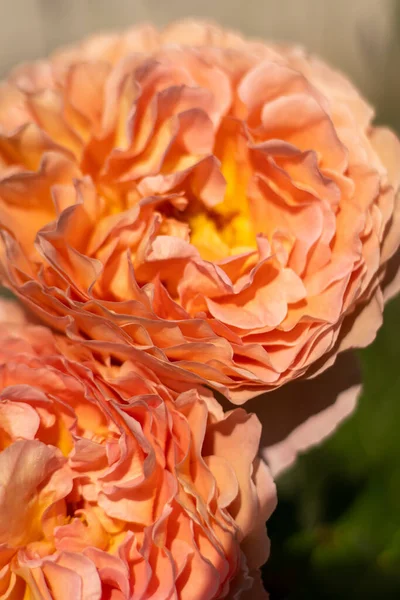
(336, 531)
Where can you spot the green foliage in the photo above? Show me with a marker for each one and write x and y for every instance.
(336, 532)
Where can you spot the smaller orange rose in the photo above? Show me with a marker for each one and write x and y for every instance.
(114, 486)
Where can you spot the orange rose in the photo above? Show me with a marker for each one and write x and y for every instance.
(223, 206)
(113, 486)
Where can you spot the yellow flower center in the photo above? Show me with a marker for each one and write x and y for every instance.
(227, 229)
(219, 232)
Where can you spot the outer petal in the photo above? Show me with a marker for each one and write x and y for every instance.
(302, 414)
(25, 469)
(11, 311)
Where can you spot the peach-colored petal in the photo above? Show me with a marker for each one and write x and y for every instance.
(391, 281)
(73, 571)
(303, 413)
(11, 311)
(25, 467)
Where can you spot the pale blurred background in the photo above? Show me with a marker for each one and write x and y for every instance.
(336, 532)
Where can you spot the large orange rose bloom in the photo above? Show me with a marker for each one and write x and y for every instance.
(224, 206)
(113, 486)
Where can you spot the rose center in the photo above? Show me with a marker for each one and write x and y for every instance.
(227, 229)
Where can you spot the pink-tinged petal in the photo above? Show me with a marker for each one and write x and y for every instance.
(28, 144)
(33, 578)
(168, 248)
(331, 82)
(265, 301)
(62, 583)
(59, 572)
(25, 467)
(206, 279)
(391, 281)
(223, 472)
(255, 546)
(361, 328)
(17, 420)
(195, 33)
(256, 591)
(302, 414)
(241, 454)
(11, 311)
(85, 84)
(112, 570)
(298, 118)
(387, 147)
(265, 82)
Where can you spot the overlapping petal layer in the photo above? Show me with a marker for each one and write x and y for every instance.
(223, 206)
(113, 486)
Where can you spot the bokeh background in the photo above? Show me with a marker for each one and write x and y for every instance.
(336, 532)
